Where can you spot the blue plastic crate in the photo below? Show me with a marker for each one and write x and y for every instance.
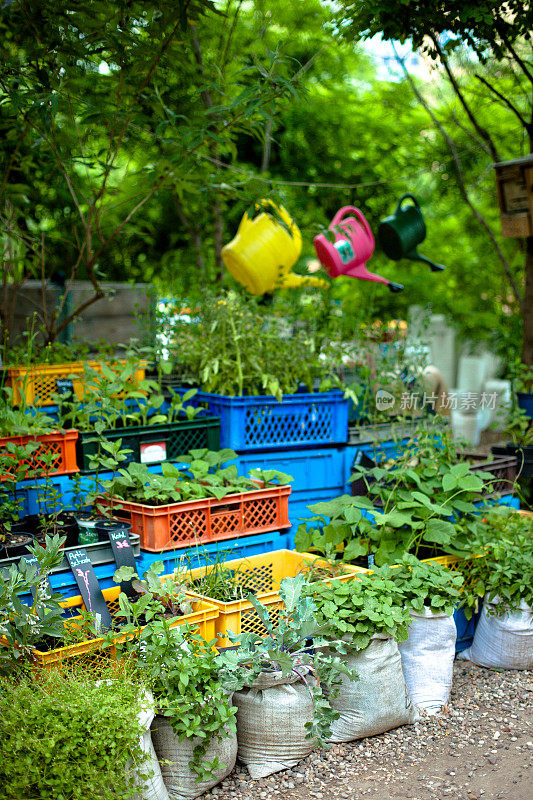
(32, 493)
(262, 422)
(315, 469)
(241, 547)
(465, 629)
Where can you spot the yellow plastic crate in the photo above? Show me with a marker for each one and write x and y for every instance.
(203, 618)
(446, 561)
(35, 385)
(263, 575)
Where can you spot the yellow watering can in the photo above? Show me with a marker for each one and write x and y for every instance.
(261, 255)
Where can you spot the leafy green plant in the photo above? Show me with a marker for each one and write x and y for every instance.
(181, 670)
(232, 348)
(204, 476)
(522, 377)
(70, 734)
(425, 584)
(22, 626)
(284, 649)
(359, 609)
(168, 593)
(411, 506)
(499, 564)
(17, 422)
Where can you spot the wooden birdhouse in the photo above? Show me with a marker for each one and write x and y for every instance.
(514, 183)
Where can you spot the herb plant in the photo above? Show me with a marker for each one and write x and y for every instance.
(204, 476)
(499, 565)
(233, 347)
(425, 584)
(22, 626)
(284, 649)
(168, 593)
(357, 610)
(70, 734)
(181, 670)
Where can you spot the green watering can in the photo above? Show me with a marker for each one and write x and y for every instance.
(400, 234)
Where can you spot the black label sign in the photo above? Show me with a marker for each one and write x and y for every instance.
(123, 553)
(64, 386)
(83, 571)
(31, 560)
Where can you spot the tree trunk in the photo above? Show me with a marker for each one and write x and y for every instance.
(527, 351)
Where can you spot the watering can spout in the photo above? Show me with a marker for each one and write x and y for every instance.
(395, 287)
(415, 256)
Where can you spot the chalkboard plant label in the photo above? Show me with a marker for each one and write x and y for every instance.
(92, 596)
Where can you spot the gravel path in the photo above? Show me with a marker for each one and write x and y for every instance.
(480, 749)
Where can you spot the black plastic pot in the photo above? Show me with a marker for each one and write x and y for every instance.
(17, 544)
(39, 524)
(106, 526)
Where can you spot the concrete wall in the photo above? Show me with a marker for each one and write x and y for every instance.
(113, 318)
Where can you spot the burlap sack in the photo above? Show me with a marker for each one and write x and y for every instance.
(379, 700)
(504, 642)
(427, 659)
(180, 781)
(148, 778)
(271, 720)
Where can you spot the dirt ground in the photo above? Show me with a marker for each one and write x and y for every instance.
(481, 748)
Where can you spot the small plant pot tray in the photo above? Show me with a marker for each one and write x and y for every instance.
(203, 619)
(261, 574)
(61, 444)
(99, 553)
(209, 520)
(174, 438)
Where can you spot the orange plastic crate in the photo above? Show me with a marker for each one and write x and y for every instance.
(61, 444)
(35, 385)
(209, 520)
(203, 619)
(261, 574)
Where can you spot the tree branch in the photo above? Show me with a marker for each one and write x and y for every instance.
(504, 100)
(461, 182)
(483, 133)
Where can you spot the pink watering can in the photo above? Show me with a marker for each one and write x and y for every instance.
(352, 248)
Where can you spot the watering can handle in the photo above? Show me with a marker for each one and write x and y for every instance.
(260, 206)
(405, 197)
(357, 213)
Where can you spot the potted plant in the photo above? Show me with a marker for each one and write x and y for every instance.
(269, 390)
(194, 730)
(204, 502)
(430, 592)
(135, 412)
(36, 374)
(500, 577)
(86, 725)
(23, 627)
(370, 614)
(278, 683)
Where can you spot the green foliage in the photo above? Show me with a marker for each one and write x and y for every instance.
(68, 736)
(204, 477)
(168, 593)
(181, 670)
(412, 502)
(284, 649)
(22, 626)
(16, 422)
(425, 584)
(358, 609)
(233, 348)
(487, 27)
(499, 563)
